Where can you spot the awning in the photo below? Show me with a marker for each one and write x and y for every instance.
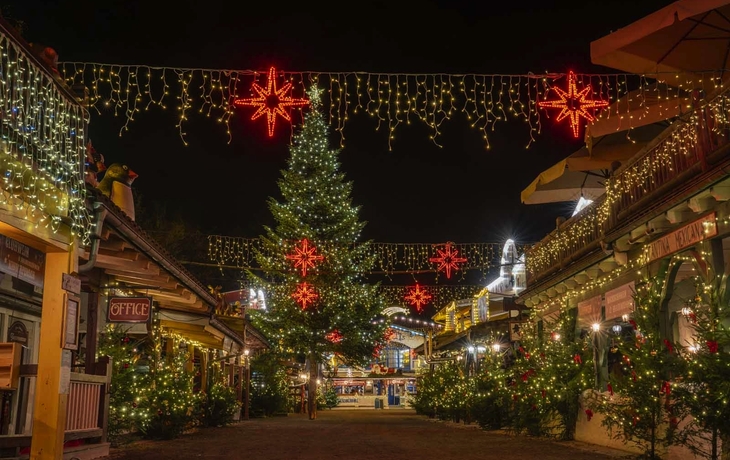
(687, 37)
(198, 328)
(584, 172)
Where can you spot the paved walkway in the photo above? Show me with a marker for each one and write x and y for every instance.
(356, 435)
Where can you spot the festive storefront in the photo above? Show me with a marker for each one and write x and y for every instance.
(659, 220)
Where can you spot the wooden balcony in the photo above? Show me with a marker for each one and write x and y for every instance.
(684, 157)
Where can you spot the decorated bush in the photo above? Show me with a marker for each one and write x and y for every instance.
(218, 405)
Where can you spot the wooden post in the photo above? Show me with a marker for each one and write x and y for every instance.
(104, 400)
(239, 390)
(190, 364)
(92, 321)
(170, 344)
(52, 384)
(203, 371)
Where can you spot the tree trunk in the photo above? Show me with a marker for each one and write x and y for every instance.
(725, 443)
(313, 376)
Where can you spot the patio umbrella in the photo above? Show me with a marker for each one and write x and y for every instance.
(583, 174)
(688, 37)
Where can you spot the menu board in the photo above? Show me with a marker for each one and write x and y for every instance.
(21, 261)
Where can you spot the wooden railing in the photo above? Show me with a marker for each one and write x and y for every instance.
(678, 155)
(85, 401)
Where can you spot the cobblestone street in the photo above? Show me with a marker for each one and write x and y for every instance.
(358, 435)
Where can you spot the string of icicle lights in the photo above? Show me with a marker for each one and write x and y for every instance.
(391, 99)
(390, 258)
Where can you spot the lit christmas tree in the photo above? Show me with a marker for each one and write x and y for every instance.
(643, 411)
(313, 262)
(707, 381)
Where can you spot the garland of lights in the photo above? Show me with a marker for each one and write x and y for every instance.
(390, 258)
(392, 99)
(43, 146)
(441, 294)
(675, 152)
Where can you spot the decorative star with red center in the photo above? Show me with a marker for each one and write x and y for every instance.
(305, 295)
(448, 259)
(304, 256)
(573, 104)
(271, 101)
(418, 297)
(335, 336)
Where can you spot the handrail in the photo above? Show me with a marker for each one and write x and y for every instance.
(672, 156)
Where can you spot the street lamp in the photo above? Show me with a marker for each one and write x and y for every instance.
(247, 400)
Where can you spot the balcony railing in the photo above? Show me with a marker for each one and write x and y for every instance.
(677, 155)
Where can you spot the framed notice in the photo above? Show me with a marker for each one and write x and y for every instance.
(70, 329)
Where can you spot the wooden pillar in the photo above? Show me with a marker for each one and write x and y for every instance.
(239, 390)
(203, 371)
(170, 344)
(52, 383)
(92, 321)
(190, 364)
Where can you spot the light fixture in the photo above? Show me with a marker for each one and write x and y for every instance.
(616, 329)
(303, 376)
(319, 381)
(481, 349)
(246, 352)
(596, 327)
(625, 318)
(686, 311)
(496, 347)
(693, 348)
(556, 336)
(471, 349)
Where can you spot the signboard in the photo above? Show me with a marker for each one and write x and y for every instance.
(129, 309)
(590, 310)
(620, 301)
(21, 261)
(516, 330)
(683, 237)
(70, 330)
(71, 283)
(18, 332)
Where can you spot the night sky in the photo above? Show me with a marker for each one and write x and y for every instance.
(415, 193)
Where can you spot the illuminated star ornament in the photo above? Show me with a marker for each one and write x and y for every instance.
(304, 256)
(271, 101)
(448, 259)
(418, 297)
(573, 104)
(305, 295)
(335, 336)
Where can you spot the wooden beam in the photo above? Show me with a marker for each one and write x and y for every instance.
(139, 266)
(145, 281)
(182, 326)
(197, 307)
(115, 244)
(126, 255)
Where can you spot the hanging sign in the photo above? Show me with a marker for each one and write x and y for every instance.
(129, 309)
(620, 301)
(21, 261)
(682, 238)
(18, 332)
(590, 310)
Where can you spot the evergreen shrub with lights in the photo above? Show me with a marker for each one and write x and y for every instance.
(269, 385)
(643, 410)
(326, 397)
(491, 406)
(316, 205)
(705, 387)
(169, 399)
(218, 405)
(127, 381)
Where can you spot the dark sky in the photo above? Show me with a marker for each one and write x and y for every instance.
(415, 193)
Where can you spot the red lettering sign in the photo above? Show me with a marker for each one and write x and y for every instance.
(129, 309)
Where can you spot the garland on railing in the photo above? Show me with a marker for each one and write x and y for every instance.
(678, 146)
(43, 147)
(390, 258)
(391, 99)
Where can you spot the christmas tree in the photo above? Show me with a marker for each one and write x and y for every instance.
(642, 410)
(320, 305)
(707, 380)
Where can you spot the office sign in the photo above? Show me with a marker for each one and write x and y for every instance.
(129, 309)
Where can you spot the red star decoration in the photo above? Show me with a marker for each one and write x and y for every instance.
(573, 104)
(305, 295)
(304, 256)
(448, 259)
(271, 101)
(335, 336)
(418, 297)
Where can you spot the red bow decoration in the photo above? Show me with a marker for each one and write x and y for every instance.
(634, 420)
(577, 359)
(543, 394)
(666, 388)
(668, 345)
(610, 389)
(589, 414)
(514, 397)
(534, 407)
(633, 324)
(673, 422)
(712, 345)
(633, 375)
(627, 360)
